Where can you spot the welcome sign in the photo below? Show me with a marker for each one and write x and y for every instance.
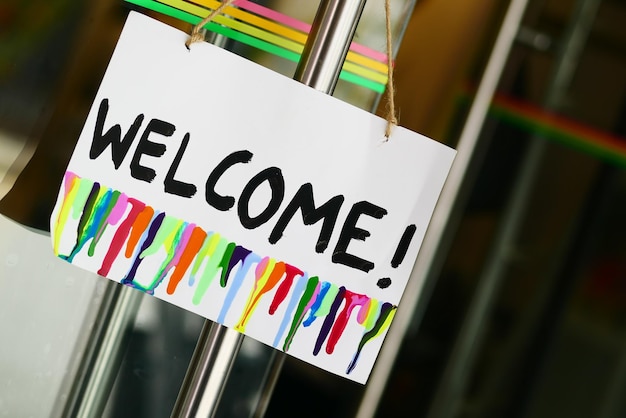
(233, 192)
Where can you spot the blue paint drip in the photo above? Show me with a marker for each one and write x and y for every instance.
(192, 274)
(316, 305)
(295, 298)
(236, 283)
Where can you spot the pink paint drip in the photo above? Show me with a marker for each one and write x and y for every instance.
(118, 210)
(121, 235)
(364, 311)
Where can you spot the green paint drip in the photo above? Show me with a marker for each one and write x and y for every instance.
(88, 211)
(167, 227)
(170, 244)
(102, 222)
(328, 300)
(84, 189)
(91, 207)
(225, 262)
(311, 285)
(210, 270)
(202, 254)
(251, 41)
(381, 323)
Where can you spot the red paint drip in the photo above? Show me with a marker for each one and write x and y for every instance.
(352, 301)
(285, 286)
(121, 235)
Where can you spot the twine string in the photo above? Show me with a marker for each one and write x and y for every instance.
(392, 120)
(196, 33)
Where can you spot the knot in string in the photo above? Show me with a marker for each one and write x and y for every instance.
(196, 33)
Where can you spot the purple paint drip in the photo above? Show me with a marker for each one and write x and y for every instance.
(239, 254)
(329, 321)
(154, 227)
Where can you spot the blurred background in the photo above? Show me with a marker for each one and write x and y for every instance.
(523, 313)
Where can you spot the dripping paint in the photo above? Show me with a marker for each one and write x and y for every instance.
(207, 259)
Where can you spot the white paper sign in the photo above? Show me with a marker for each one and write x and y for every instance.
(233, 192)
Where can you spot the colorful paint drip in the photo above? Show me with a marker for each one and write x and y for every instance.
(201, 256)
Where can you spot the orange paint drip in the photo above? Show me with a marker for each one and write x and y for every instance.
(141, 223)
(193, 247)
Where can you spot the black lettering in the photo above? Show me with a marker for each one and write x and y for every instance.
(174, 186)
(274, 177)
(119, 147)
(153, 149)
(350, 231)
(220, 202)
(303, 200)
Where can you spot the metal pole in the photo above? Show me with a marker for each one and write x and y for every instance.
(208, 371)
(103, 353)
(319, 67)
(438, 235)
(328, 43)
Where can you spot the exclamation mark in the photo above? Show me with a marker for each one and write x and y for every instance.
(403, 246)
(398, 256)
